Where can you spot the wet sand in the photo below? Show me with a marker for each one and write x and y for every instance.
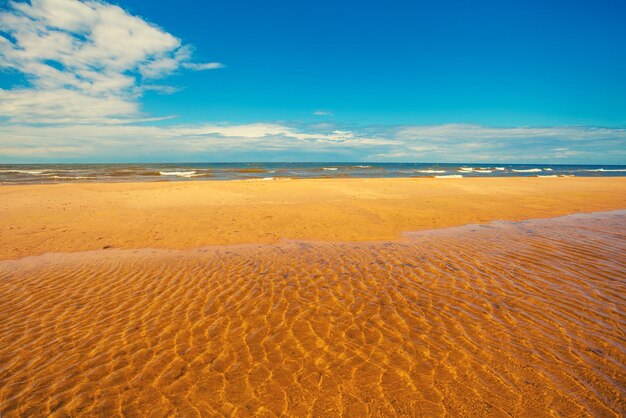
(505, 319)
(78, 217)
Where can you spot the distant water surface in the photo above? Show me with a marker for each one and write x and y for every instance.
(507, 319)
(60, 173)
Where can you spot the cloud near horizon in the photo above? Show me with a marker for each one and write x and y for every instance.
(87, 64)
(279, 142)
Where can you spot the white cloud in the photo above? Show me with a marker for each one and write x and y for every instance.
(470, 142)
(393, 155)
(85, 60)
(469, 131)
(89, 142)
(205, 66)
(212, 142)
(64, 105)
(161, 88)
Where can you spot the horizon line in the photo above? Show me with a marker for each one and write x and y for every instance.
(308, 162)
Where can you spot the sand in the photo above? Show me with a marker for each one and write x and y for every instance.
(112, 304)
(36, 219)
(522, 320)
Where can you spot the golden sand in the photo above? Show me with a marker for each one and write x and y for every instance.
(523, 320)
(505, 319)
(78, 217)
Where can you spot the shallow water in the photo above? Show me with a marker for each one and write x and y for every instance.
(71, 173)
(508, 319)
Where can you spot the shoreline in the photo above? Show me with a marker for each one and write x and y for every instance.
(37, 219)
(458, 175)
(405, 238)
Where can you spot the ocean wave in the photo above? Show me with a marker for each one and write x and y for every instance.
(475, 170)
(178, 173)
(500, 168)
(607, 170)
(431, 171)
(530, 170)
(251, 170)
(262, 178)
(363, 166)
(123, 173)
(72, 177)
(128, 173)
(329, 168)
(451, 176)
(32, 172)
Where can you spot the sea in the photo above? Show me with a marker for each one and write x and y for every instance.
(64, 173)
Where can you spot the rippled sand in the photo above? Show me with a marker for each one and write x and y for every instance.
(509, 319)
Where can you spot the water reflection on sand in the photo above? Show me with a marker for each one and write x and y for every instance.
(509, 319)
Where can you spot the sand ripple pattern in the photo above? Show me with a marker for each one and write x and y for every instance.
(509, 319)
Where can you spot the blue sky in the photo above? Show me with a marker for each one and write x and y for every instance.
(445, 81)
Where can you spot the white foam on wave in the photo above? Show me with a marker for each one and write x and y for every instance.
(484, 170)
(363, 166)
(265, 178)
(33, 172)
(500, 168)
(548, 175)
(73, 177)
(329, 168)
(547, 169)
(475, 169)
(530, 170)
(451, 176)
(178, 173)
(607, 170)
(431, 171)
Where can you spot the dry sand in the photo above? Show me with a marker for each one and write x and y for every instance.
(35, 219)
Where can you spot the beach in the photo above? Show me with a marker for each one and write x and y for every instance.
(314, 297)
(35, 219)
(312, 209)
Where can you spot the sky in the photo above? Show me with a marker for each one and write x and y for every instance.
(535, 81)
